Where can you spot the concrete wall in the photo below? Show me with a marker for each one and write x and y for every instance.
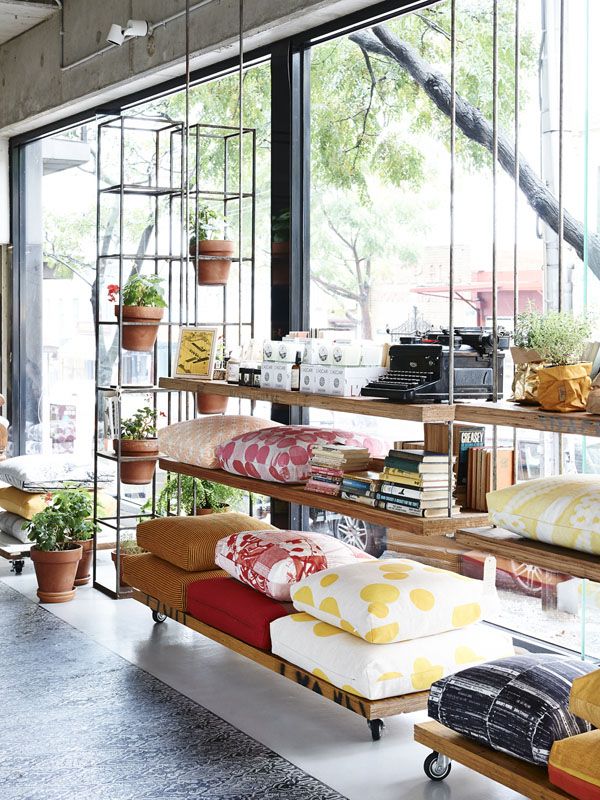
(36, 89)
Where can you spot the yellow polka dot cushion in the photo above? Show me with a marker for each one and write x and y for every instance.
(561, 510)
(585, 698)
(373, 671)
(391, 600)
(574, 765)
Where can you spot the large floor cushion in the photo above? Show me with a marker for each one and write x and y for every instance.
(14, 526)
(273, 561)
(231, 607)
(189, 542)
(282, 454)
(37, 473)
(162, 580)
(574, 765)
(560, 510)
(391, 600)
(195, 441)
(375, 672)
(585, 698)
(518, 705)
(27, 504)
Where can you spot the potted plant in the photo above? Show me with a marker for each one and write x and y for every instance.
(564, 384)
(212, 255)
(77, 507)
(127, 547)
(139, 441)
(280, 233)
(142, 301)
(214, 403)
(526, 357)
(195, 496)
(55, 556)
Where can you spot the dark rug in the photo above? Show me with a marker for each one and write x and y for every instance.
(78, 721)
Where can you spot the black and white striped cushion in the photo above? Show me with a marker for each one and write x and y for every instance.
(517, 705)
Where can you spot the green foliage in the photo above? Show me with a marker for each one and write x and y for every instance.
(144, 290)
(65, 520)
(129, 547)
(205, 224)
(558, 336)
(205, 493)
(280, 227)
(141, 425)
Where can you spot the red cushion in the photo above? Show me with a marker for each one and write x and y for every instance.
(234, 608)
(572, 785)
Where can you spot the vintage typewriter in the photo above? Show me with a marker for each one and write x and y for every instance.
(419, 369)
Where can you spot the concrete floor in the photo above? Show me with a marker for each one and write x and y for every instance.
(322, 739)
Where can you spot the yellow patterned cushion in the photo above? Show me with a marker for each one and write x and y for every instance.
(375, 672)
(391, 600)
(162, 580)
(585, 698)
(189, 542)
(27, 504)
(560, 510)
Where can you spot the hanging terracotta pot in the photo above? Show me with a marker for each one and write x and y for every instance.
(83, 574)
(141, 471)
(211, 403)
(214, 271)
(55, 571)
(140, 338)
(202, 512)
(280, 249)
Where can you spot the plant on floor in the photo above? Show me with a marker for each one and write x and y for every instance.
(77, 507)
(206, 494)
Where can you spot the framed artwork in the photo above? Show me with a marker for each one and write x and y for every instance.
(196, 352)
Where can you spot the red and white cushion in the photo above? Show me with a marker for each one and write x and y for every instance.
(273, 561)
(282, 454)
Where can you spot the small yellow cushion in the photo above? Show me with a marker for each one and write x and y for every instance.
(561, 510)
(27, 504)
(574, 765)
(585, 698)
(189, 542)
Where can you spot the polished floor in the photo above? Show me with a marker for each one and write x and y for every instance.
(322, 739)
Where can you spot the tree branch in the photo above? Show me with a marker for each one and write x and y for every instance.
(334, 289)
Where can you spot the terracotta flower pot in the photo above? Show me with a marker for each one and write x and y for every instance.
(202, 512)
(83, 574)
(211, 403)
(113, 555)
(139, 472)
(214, 271)
(140, 338)
(280, 249)
(55, 571)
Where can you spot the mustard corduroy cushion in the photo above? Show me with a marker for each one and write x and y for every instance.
(189, 542)
(578, 758)
(162, 580)
(585, 698)
(27, 504)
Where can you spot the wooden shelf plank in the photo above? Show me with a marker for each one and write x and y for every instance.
(297, 494)
(499, 542)
(367, 406)
(370, 709)
(534, 418)
(517, 775)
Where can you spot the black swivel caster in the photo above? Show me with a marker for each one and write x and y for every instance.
(437, 767)
(376, 727)
(158, 617)
(17, 566)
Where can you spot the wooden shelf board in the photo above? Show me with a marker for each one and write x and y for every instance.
(367, 406)
(526, 779)
(297, 494)
(499, 542)
(531, 417)
(370, 709)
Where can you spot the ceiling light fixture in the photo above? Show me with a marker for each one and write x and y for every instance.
(135, 28)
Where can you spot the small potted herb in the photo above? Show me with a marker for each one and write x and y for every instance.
(139, 441)
(526, 357)
(142, 300)
(127, 547)
(212, 255)
(196, 496)
(54, 554)
(77, 506)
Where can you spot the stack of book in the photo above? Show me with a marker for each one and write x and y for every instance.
(361, 487)
(481, 474)
(329, 462)
(415, 482)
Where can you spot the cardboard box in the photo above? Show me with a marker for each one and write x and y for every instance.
(276, 375)
(354, 353)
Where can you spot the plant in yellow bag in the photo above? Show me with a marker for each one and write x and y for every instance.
(560, 339)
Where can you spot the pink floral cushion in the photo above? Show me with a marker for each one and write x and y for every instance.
(273, 561)
(282, 454)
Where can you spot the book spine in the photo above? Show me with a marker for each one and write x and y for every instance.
(401, 501)
(398, 509)
(400, 491)
(353, 483)
(356, 498)
(323, 489)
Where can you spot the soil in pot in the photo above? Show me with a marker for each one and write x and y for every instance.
(84, 568)
(214, 270)
(139, 472)
(55, 571)
(211, 403)
(140, 338)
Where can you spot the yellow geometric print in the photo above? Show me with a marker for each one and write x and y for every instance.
(466, 615)
(384, 634)
(325, 629)
(304, 595)
(330, 606)
(329, 579)
(195, 349)
(425, 673)
(423, 599)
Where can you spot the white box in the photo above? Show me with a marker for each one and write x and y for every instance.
(320, 382)
(353, 353)
(276, 376)
(348, 381)
(371, 354)
(307, 376)
(282, 351)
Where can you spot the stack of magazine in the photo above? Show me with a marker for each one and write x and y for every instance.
(416, 482)
(329, 462)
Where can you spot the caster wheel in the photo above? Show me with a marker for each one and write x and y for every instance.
(158, 617)
(376, 727)
(437, 767)
(17, 566)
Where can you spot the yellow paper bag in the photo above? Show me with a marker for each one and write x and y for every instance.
(564, 388)
(593, 403)
(527, 363)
